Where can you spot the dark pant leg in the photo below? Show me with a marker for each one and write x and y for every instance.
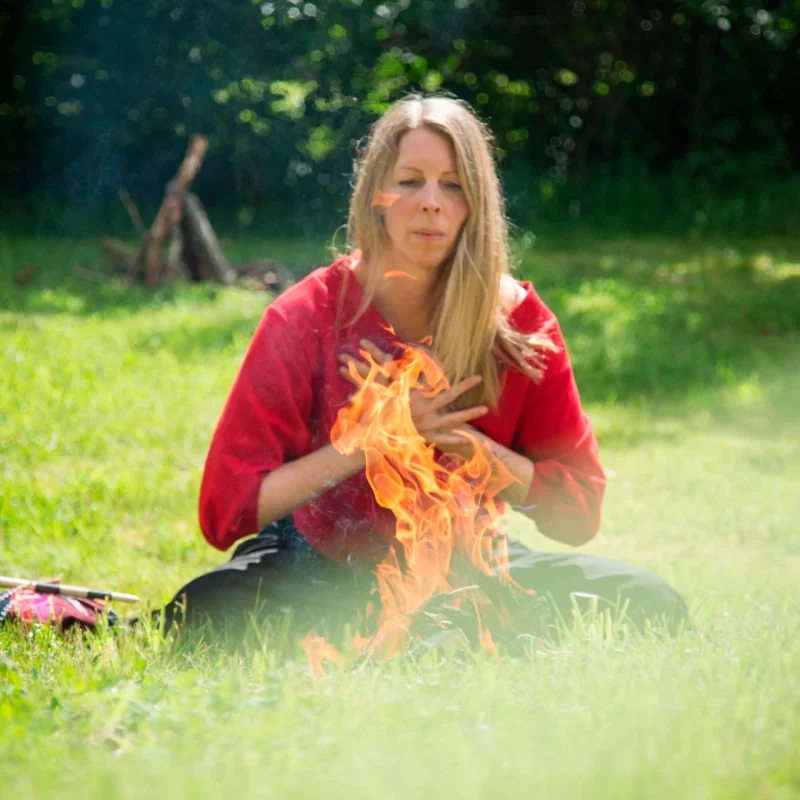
(278, 571)
(572, 578)
(271, 574)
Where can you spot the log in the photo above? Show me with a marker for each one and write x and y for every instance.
(202, 252)
(150, 261)
(118, 252)
(176, 267)
(93, 275)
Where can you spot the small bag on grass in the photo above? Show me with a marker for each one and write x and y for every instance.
(29, 607)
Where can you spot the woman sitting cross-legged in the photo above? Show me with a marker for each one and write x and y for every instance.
(428, 267)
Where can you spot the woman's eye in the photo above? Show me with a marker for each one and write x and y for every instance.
(452, 187)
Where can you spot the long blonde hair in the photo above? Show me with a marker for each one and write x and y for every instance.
(471, 331)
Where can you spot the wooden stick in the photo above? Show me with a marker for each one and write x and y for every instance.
(169, 214)
(201, 246)
(118, 252)
(65, 589)
(133, 212)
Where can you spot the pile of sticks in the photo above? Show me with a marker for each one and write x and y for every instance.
(194, 253)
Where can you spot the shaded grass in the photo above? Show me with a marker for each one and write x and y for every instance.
(687, 357)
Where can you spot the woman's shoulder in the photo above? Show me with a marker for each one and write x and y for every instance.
(525, 310)
(512, 293)
(313, 296)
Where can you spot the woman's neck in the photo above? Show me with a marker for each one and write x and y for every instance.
(403, 299)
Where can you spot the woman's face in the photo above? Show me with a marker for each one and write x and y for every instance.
(423, 202)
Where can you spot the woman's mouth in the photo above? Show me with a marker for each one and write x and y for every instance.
(429, 235)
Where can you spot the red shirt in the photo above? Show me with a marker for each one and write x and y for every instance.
(288, 392)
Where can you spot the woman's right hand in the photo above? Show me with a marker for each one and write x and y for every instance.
(429, 412)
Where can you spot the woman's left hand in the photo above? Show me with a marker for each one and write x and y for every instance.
(429, 410)
(451, 432)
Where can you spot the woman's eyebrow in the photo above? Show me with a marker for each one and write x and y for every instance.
(417, 169)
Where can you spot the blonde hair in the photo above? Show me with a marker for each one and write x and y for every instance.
(471, 331)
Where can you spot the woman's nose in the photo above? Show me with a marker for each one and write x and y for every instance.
(430, 198)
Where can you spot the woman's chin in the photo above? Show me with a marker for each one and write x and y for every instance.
(425, 259)
(432, 258)
(431, 266)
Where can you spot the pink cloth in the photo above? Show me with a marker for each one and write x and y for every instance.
(30, 607)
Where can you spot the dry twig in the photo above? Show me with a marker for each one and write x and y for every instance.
(133, 211)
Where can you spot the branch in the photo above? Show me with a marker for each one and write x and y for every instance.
(169, 215)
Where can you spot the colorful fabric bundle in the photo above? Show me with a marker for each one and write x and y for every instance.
(29, 607)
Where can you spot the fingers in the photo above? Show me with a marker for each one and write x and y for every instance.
(349, 365)
(350, 368)
(377, 354)
(449, 440)
(455, 391)
(452, 441)
(381, 358)
(436, 400)
(458, 418)
(344, 370)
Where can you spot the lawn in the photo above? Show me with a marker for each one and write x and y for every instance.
(687, 354)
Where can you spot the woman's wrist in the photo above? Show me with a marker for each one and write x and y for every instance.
(351, 463)
(297, 482)
(520, 467)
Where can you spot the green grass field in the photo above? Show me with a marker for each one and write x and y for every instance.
(688, 358)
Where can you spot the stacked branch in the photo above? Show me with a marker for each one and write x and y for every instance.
(194, 252)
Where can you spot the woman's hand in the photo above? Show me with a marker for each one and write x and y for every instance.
(428, 412)
(451, 431)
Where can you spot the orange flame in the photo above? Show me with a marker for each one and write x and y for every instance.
(441, 508)
(381, 198)
(399, 273)
(319, 651)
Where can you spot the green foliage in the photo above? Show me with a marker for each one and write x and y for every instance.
(629, 195)
(692, 89)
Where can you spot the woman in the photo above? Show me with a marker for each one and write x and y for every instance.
(428, 263)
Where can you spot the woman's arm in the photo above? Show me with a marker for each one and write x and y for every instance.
(298, 482)
(553, 454)
(565, 495)
(264, 423)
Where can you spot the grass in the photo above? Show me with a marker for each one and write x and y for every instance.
(687, 356)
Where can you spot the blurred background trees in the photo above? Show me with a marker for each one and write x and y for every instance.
(669, 113)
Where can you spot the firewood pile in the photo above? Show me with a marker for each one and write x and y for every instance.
(193, 252)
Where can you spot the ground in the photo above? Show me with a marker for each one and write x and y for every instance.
(687, 356)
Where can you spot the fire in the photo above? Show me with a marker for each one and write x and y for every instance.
(399, 273)
(448, 524)
(385, 199)
(319, 651)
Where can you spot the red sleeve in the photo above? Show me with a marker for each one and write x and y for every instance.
(263, 425)
(568, 484)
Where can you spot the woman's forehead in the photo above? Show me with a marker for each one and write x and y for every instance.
(420, 148)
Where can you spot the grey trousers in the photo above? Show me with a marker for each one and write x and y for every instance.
(278, 571)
